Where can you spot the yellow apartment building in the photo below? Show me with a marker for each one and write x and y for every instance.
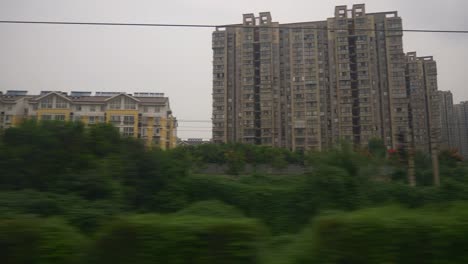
(142, 115)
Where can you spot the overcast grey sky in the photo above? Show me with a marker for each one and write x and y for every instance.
(177, 61)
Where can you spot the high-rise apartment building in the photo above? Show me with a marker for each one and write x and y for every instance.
(461, 127)
(304, 85)
(246, 86)
(447, 120)
(142, 115)
(425, 121)
(369, 75)
(309, 85)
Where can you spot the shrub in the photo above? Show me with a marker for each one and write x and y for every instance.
(211, 208)
(25, 239)
(178, 239)
(387, 235)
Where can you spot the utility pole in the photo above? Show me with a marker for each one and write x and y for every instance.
(435, 156)
(434, 134)
(410, 149)
(411, 176)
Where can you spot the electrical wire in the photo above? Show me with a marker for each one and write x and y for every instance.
(194, 127)
(194, 121)
(222, 26)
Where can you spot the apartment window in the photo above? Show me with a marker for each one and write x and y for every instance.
(78, 108)
(344, 66)
(60, 117)
(115, 104)
(61, 103)
(346, 110)
(157, 121)
(248, 96)
(361, 38)
(364, 91)
(92, 108)
(46, 117)
(248, 89)
(129, 120)
(157, 109)
(342, 39)
(129, 103)
(145, 109)
(362, 55)
(46, 103)
(345, 83)
(91, 120)
(361, 21)
(299, 114)
(128, 131)
(34, 107)
(115, 119)
(364, 82)
(361, 46)
(218, 51)
(103, 108)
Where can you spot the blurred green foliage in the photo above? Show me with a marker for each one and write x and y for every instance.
(27, 239)
(70, 194)
(211, 208)
(390, 234)
(178, 239)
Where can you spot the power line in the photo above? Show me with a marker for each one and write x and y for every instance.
(193, 130)
(105, 24)
(194, 127)
(222, 26)
(194, 121)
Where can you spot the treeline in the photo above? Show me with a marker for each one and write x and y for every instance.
(70, 194)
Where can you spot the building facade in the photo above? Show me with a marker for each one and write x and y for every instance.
(306, 86)
(461, 127)
(447, 120)
(142, 115)
(426, 123)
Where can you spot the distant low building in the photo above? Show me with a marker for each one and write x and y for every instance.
(143, 115)
(193, 142)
